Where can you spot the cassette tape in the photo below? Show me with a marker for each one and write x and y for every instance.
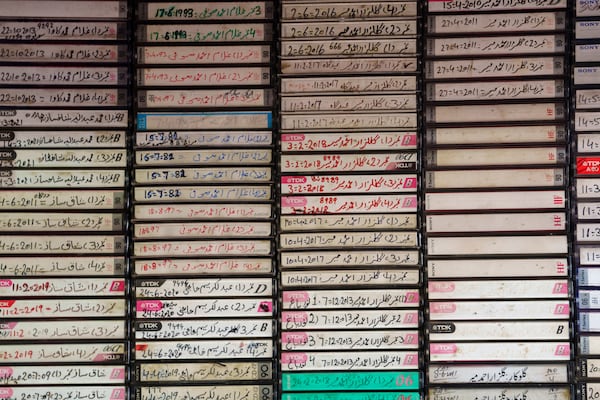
(362, 278)
(497, 45)
(170, 194)
(363, 299)
(501, 200)
(208, 287)
(62, 308)
(499, 289)
(588, 368)
(200, 229)
(204, 349)
(349, 361)
(587, 8)
(62, 244)
(589, 322)
(62, 199)
(349, 84)
(208, 120)
(587, 52)
(496, 90)
(62, 266)
(587, 75)
(495, 156)
(212, 329)
(203, 308)
(589, 390)
(588, 142)
(349, 380)
(339, 395)
(62, 139)
(587, 121)
(350, 141)
(205, 76)
(62, 330)
(348, 11)
(382, 102)
(190, 139)
(495, 23)
(588, 211)
(198, 55)
(63, 97)
(499, 374)
(348, 29)
(53, 222)
(498, 113)
(64, 53)
(505, 351)
(349, 340)
(499, 310)
(587, 188)
(500, 331)
(341, 121)
(588, 299)
(203, 371)
(496, 135)
(501, 268)
(193, 248)
(343, 204)
(343, 240)
(589, 345)
(60, 30)
(61, 374)
(589, 256)
(304, 223)
(62, 8)
(63, 353)
(179, 175)
(542, 245)
(210, 98)
(299, 259)
(588, 276)
(63, 287)
(62, 178)
(587, 232)
(359, 47)
(249, 392)
(220, 266)
(496, 222)
(587, 99)
(61, 158)
(63, 76)
(16, 118)
(510, 5)
(210, 157)
(243, 10)
(202, 211)
(587, 29)
(359, 319)
(495, 178)
(66, 392)
(494, 68)
(204, 33)
(343, 66)
(535, 393)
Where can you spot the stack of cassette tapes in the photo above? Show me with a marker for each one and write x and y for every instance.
(586, 150)
(349, 244)
(63, 122)
(202, 212)
(495, 219)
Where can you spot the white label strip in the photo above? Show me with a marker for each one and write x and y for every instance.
(61, 374)
(191, 139)
(495, 200)
(200, 230)
(84, 222)
(498, 90)
(348, 103)
(210, 157)
(63, 75)
(206, 76)
(63, 330)
(348, 204)
(199, 11)
(63, 97)
(588, 276)
(186, 350)
(234, 54)
(362, 10)
(587, 29)
(201, 247)
(63, 178)
(504, 268)
(495, 156)
(522, 330)
(586, 75)
(328, 48)
(202, 211)
(363, 319)
(203, 371)
(202, 175)
(216, 328)
(589, 345)
(67, 158)
(202, 193)
(498, 245)
(586, 211)
(53, 353)
(588, 188)
(62, 244)
(587, 8)
(210, 287)
(587, 121)
(499, 310)
(344, 240)
(497, 45)
(589, 322)
(349, 84)
(249, 392)
(491, 68)
(60, 30)
(496, 222)
(587, 99)
(66, 392)
(295, 184)
(363, 278)
(589, 256)
(535, 393)
(587, 52)
(496, 113)
(326, 299)
(504, 373)
(62, 200)
(349, 340)
(497, 22)
(496, 134)
(341, 65)
(215, 98)
(62, 308)
(62, 139)
(468, 6)
(494, 178)
(348, 30)
(204, 308)
(498, 289)
(363, 141)
(60, 9)
(348, 258)
(355, 361)
(63, 287)
(337, 222)
(587, 232)
(205, 266)
(208, 120)
(63, 118)
(318, 122)
(348, 162)
(63, 53)
(62, 266)
(590, 368)
(204, 33)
